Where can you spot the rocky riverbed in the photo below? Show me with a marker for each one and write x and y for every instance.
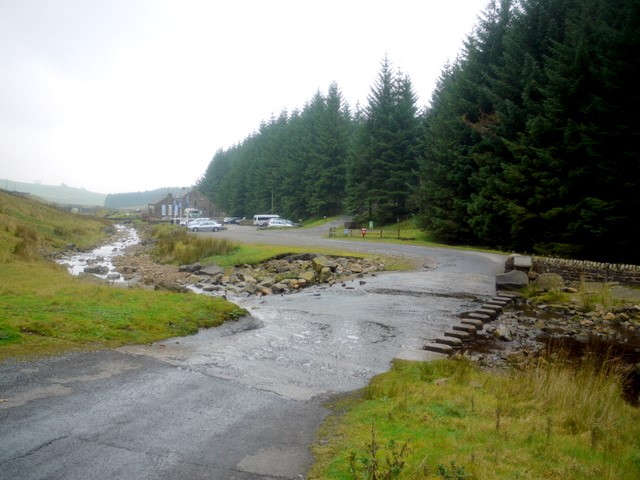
(284, 274)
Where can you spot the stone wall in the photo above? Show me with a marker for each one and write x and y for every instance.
(576, 270)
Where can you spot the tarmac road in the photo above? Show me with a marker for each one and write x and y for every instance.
(241, 401)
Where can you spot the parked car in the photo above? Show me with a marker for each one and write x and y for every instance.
(194, 221)
(208, 226)
(232, 220)
(280, 223)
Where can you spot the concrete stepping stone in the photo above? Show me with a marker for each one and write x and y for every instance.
(420, 355)
(470, 329)
(464, 336)
(477, 316)
(500, 301)
(493, 305)
(452, 341)
(479, 324)
(439, 348)
(488, 311)
(507, 295)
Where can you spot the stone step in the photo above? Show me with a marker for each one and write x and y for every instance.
(452, 341)
(493, 305)
(465, 328)
(420, 355)
(507, 295)
(479, 324)
(439, 348)
(501, 301)
(477, 316)
(464, 336)
(488, 311)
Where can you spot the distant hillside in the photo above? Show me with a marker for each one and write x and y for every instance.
(60, 194)
(30, 226)
(63, 195)
(139, 199)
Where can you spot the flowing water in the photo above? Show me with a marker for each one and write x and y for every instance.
(82, 262)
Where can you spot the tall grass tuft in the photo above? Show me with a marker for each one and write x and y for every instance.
(589, 394)
(176, 246)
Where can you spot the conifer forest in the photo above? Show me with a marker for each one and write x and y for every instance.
(529, 142)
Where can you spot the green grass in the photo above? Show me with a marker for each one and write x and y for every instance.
(405, 233)
(175, 246)
(45, 311)
(30, 227)
(459, 422)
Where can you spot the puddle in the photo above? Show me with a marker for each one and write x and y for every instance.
(99, 261)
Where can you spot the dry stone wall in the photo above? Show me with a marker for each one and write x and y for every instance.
(577, 270)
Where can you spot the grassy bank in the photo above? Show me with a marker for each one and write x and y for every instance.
(44, 310)
(449, 420)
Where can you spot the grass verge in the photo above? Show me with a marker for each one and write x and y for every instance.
(405, 233)
(449, 420)
(43, 311)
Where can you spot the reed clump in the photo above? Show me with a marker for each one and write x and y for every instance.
(176, 246)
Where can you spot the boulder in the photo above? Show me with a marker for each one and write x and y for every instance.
(321, 262)
(308, 276)
(210, 270)
(325, 274)
(96, 269)
(513, 280)
(549, 282)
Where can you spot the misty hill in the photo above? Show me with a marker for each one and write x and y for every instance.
(64, 195)
(139, 199)
(60, 194)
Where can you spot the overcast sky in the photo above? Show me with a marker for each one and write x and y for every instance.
(132, 95)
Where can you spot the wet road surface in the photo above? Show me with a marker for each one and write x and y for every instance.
(241, 401)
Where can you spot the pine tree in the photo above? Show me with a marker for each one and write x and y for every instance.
(381, 174)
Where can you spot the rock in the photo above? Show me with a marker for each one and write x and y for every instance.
(549, 282)
(96, 269)
(513, 280)
(211, 270)
(522, 261)
(309, 277)
(250, 288)
(264, 290)
(321, 262)
(502, 333)
(325, 274)
(356, 268)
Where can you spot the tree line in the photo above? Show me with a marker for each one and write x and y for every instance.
(528, 144)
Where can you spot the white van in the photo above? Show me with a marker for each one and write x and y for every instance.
(262, 220)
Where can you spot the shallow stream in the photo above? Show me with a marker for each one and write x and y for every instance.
(87, 262)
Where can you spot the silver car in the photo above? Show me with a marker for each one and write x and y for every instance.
(209, 226)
